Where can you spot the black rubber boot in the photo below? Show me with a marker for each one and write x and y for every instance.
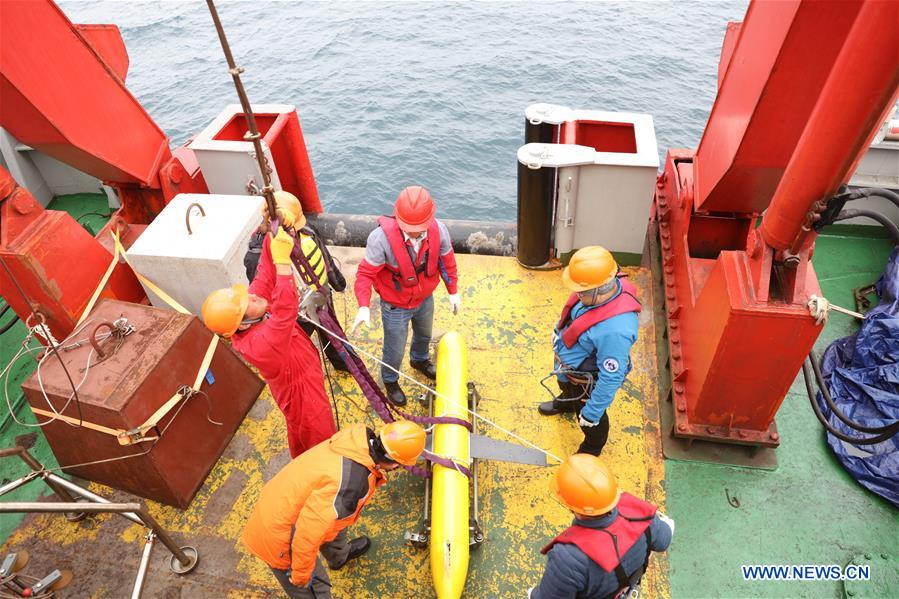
(426, 367)
(395, 394)
(551, 408)
(358, 546)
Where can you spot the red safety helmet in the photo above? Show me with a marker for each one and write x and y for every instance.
(414, 209)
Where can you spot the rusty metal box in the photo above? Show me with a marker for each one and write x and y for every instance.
(135, 375)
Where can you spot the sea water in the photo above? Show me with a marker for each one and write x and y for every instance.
(427, 93)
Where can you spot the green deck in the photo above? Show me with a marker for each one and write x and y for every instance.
(807, 511)
(92, 210)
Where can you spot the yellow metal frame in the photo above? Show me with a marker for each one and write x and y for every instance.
(450, 489)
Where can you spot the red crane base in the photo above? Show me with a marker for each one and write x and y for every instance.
(738, 326)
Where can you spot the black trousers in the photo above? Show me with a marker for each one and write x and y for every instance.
(595, 437)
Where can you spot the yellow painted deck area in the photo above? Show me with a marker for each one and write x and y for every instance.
(507, 316)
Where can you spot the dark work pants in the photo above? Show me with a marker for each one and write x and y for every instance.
(330, 351)
(595, 437)
(335, 553)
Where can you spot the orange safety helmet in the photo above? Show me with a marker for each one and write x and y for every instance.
(414, 209)
(290, 210)
(585, 485)
(403, 441)
(589, 268)
(223, 309)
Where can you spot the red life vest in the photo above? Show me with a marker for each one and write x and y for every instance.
(409, 283)
(605, 546)
(626, 301)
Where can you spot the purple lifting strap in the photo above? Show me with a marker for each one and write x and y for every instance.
(367, 384)
(376, 397)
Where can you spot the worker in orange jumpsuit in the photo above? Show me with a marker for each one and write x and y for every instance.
(307, 506)
(262, 325)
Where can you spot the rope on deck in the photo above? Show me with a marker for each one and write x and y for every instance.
(434, 391)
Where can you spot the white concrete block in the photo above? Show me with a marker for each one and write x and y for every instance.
(188, 265)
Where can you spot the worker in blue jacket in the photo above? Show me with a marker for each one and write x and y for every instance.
(606, 550)
(592, 342)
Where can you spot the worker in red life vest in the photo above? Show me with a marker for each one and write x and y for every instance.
(605, 552)
(592, 342)
(262, 325)
(405, 259)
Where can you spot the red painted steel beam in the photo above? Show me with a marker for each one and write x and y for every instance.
(53, 260)
(58, 95)
(851, 107)
(783, 57)
(805, 87)
(106, 40)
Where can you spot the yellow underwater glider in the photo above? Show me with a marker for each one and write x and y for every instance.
(450, 523)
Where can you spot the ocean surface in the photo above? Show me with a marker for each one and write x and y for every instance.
(395, 94)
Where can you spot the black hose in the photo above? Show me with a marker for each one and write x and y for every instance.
(839, 435)
(9, 324)
(889, 225)
(819, 378)
(865, 192)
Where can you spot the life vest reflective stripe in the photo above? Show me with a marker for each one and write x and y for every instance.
(314, 256)
(605, 546)
(624, 302)
(407, 273)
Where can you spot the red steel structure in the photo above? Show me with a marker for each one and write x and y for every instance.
(803, 87)
(62, 92)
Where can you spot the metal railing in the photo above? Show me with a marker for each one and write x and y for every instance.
(184, 558)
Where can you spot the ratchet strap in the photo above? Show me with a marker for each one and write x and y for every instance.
(138, 434)
(147, 282)
(119, 250)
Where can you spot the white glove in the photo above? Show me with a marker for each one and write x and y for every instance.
(362, 316)
(455, 301)
(667, 521)
(530, 590)
(585, 423)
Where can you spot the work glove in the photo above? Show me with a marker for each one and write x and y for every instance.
(282, 246)
(667, 520)
(585, 423)
(456, 302)
(286, 217)
(362, 316)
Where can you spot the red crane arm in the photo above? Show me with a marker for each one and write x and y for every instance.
(61, 97)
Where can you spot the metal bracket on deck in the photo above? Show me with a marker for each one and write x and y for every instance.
(475, 534)
(183, 560)
(419, 538)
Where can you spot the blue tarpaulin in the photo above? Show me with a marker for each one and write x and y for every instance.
(862, 374)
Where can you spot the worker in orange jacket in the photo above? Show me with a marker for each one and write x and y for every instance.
(307, 506)
(262, 325)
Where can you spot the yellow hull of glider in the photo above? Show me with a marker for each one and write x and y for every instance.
(450, 494)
